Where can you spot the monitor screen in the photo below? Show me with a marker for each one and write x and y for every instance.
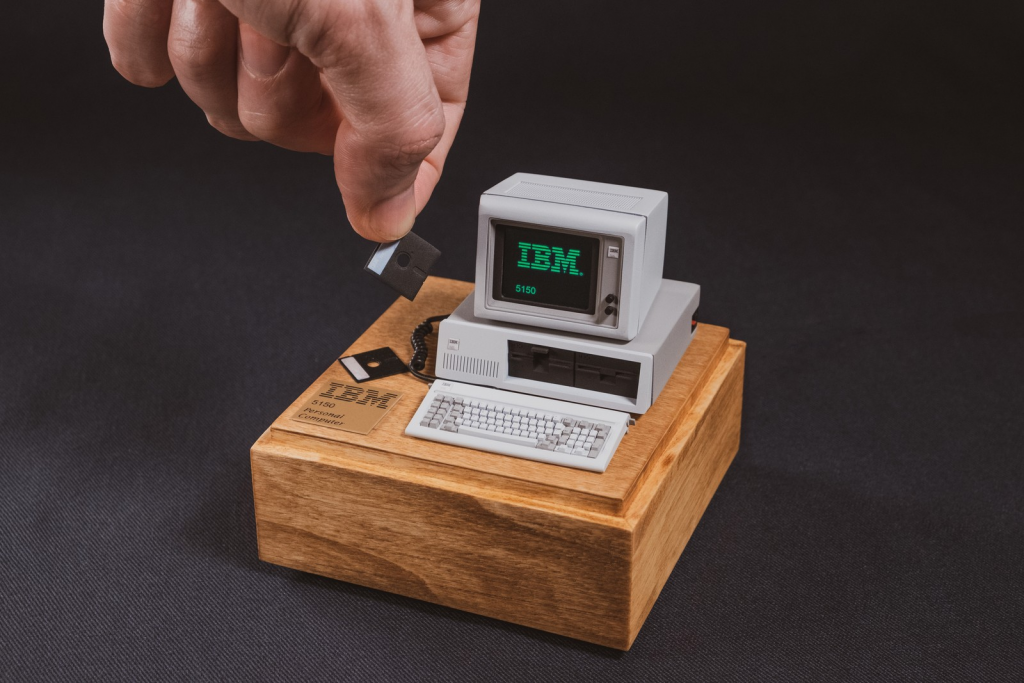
(545, 268)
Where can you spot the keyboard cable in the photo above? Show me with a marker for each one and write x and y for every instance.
(420, 350)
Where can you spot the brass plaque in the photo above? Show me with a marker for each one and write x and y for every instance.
(347, 407)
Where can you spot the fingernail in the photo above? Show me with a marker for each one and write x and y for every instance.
(261, 57)
(392, 218)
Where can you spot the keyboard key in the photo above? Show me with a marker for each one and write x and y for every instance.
(508, 438)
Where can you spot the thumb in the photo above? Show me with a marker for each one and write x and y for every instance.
(374, 63)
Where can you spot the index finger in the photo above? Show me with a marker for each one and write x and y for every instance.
(136, 34)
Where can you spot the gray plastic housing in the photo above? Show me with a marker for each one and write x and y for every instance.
(476, 351)
(630, 223)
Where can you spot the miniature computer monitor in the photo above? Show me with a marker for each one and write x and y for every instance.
(569, 255)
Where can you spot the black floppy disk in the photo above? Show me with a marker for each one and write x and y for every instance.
(374, 364)
(403, 265)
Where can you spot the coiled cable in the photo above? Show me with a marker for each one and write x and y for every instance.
(420, 350)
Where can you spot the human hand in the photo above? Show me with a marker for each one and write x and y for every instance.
(379, 84)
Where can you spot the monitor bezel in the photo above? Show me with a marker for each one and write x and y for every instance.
(632, 274)
(611, 272)
(497, 265)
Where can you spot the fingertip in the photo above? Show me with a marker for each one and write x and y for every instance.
(232, 129)
(144, 75)
(136, 35)
(388, 220)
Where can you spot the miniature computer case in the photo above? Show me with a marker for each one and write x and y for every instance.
(596, 371)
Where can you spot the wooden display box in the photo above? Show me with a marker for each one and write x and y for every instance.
(577, 553)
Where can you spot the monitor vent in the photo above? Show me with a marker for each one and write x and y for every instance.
(470, 365)
(573, 196)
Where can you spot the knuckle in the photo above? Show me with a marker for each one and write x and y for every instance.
(321, 35)
(435, 18)
(338, 30)
(360, 17)
(137, 13)
(129, 23)
(414, 142)
(194, 57)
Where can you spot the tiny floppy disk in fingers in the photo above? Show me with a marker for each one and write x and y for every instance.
(403, 265)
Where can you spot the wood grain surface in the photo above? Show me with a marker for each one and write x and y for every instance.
(604, 492)
(576, 553)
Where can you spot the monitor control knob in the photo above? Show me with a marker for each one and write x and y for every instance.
(609, 310)
(610, 299)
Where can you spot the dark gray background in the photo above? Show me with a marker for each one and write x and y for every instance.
(846, 185)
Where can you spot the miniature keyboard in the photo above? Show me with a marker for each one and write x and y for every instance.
(519, 425)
